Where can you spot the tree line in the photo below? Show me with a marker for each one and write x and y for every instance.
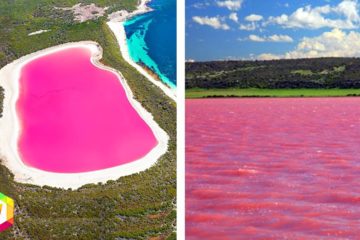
(286, 73)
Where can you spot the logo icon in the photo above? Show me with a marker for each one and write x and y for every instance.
(6, 212)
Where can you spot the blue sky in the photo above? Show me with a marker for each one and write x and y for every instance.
(264, 29)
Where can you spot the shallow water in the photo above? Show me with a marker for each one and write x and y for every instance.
(151, 39)
(273, 168)
(76, 117)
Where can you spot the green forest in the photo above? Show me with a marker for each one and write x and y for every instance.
(140, 206)
(266, 92)
(316, 73)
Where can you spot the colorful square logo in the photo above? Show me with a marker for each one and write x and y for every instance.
(6, 212)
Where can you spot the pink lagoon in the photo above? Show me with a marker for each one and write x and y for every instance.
(76, 117)
(273, 168)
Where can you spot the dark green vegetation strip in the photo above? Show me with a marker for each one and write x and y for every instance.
(297, 73)
(255, 92)
(140, 206)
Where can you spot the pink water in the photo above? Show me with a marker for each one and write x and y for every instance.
(76, 117)
(273, 168)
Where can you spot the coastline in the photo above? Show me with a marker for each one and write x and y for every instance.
(116, 25)
(10, 129)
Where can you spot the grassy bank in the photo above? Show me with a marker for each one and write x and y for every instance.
(256, 92)
(140, 206)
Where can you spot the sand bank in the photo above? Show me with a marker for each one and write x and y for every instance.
(10, 130)
(116, 24)
(38, 32)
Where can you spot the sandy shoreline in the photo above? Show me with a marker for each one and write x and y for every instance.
(38, 32)
(116, 25)
(10, 129)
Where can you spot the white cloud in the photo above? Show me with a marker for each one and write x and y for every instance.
(232, 5)
(253, 25)
(335, 43)
(234, 17)
(280, 38)
(214, 22)
(268, 56)
(254, 18)
(201, 5)
(256, 38)
(349, 9)
(272, 38)
(309, 17)
(248, 27)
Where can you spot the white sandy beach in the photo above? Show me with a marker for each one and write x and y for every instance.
(116, 24)
(10, 130)
(38, 32)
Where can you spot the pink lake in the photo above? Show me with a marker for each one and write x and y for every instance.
(273, 168)
(76, 117)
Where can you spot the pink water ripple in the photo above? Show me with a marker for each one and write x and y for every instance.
(272, 168)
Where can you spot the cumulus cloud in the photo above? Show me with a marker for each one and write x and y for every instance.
(280, 38)
(234, 17)
(232, 5)
(256, 38)
(344, 16)
(253, 25)
(268, 56)
(272, 38)
(248, 27)
(214, 22)
(335, 43)
(201, 5)
(254, 18)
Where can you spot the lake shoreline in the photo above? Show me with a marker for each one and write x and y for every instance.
(11, 129)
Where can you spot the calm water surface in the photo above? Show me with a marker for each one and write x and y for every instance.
(76, 117)
(273, 168)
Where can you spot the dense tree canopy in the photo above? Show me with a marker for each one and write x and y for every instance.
(294, 73)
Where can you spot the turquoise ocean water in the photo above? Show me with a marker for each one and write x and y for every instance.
(151, 39)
